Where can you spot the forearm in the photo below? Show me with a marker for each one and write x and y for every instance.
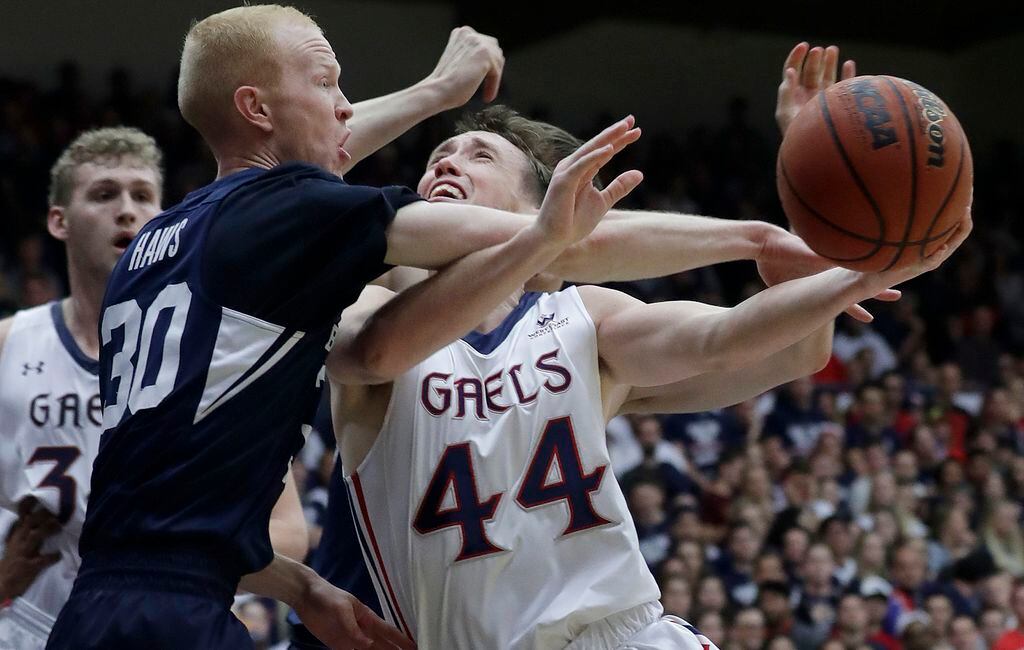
(288, 533)
(783, 315)
(714, 390)
(630, 245)
(378, 121)
(433, 313)
(283, 579)
(663, 343)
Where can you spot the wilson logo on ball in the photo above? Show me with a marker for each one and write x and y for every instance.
(933, 112)
(877, 119)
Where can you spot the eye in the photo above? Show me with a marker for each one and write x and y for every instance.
(324, 83)
(485, 155)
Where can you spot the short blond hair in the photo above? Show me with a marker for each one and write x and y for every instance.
(114, 146)
(233, 48)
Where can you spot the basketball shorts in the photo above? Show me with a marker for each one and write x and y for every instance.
(146, 602)
(23, 627)
(641, 628)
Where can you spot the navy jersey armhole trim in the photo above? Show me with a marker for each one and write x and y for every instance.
(485, 343)
(91, 366)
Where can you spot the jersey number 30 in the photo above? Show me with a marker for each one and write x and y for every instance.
(156, 335)
(455, 473)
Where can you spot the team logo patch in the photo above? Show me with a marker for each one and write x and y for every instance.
(38, 368)
(546, 324)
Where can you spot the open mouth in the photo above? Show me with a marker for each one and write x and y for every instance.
(122, 240)
(446, 191)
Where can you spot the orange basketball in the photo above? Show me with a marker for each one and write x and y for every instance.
(875, 173)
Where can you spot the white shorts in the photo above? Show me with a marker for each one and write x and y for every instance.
(641, 628)
(23, 627)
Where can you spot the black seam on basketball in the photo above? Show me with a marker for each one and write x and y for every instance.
(827, 115)
(949, 195)
(849, 233)
(878, 245)
(912, 141)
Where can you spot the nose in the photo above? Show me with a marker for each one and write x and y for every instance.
(447, 166)
(127, 211)
(343, 111)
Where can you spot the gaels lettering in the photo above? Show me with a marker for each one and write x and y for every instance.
(483, 398)
(70, 409)
(877, 119)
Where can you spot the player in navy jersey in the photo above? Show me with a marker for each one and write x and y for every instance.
(216, 322)
(103, 188)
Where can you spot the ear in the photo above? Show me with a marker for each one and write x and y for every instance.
(57, 223)
(249, 105)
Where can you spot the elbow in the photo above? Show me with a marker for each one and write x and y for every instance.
(290, 539)
(377, 359)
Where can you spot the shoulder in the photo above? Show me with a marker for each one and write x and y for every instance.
(32, 320)
(5, 329)
(602, 302)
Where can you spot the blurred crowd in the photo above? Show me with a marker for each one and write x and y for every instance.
(877, 504)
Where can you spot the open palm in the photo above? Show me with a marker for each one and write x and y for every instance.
(807, 71)
(573, 206)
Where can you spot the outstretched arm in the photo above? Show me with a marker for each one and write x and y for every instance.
(438, 310)
(714, 390)
(470, 60)
(649, 345)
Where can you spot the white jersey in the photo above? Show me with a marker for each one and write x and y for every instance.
(487, 505)
(50, 426)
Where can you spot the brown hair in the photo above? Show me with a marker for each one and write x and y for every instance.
(543, 144)
(110, 146)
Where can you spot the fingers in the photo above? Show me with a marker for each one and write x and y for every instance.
(812, 72)
(795, 60)
(350, 627)
(849, 70)
(620, 188)
(381, 630)
(492, 81)
(583, 170)
(859, 313)
(889, 295)
(491, 84)
(608, 136)
(831, 61)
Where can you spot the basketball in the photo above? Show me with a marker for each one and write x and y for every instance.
(875, 173)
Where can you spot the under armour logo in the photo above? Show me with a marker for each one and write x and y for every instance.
(38, 368)
(545, 319)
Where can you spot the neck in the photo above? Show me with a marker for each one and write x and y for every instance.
(230, 162)
(500, 312)
(82, 309)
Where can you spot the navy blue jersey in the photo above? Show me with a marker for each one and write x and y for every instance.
(215, 326)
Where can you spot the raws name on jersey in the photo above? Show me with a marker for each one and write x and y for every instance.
(439, 390)
(155, 245)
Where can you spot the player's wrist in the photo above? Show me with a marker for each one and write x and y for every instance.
(435, 95)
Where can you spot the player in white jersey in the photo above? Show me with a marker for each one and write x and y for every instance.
(479, 477)
(104, 187)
